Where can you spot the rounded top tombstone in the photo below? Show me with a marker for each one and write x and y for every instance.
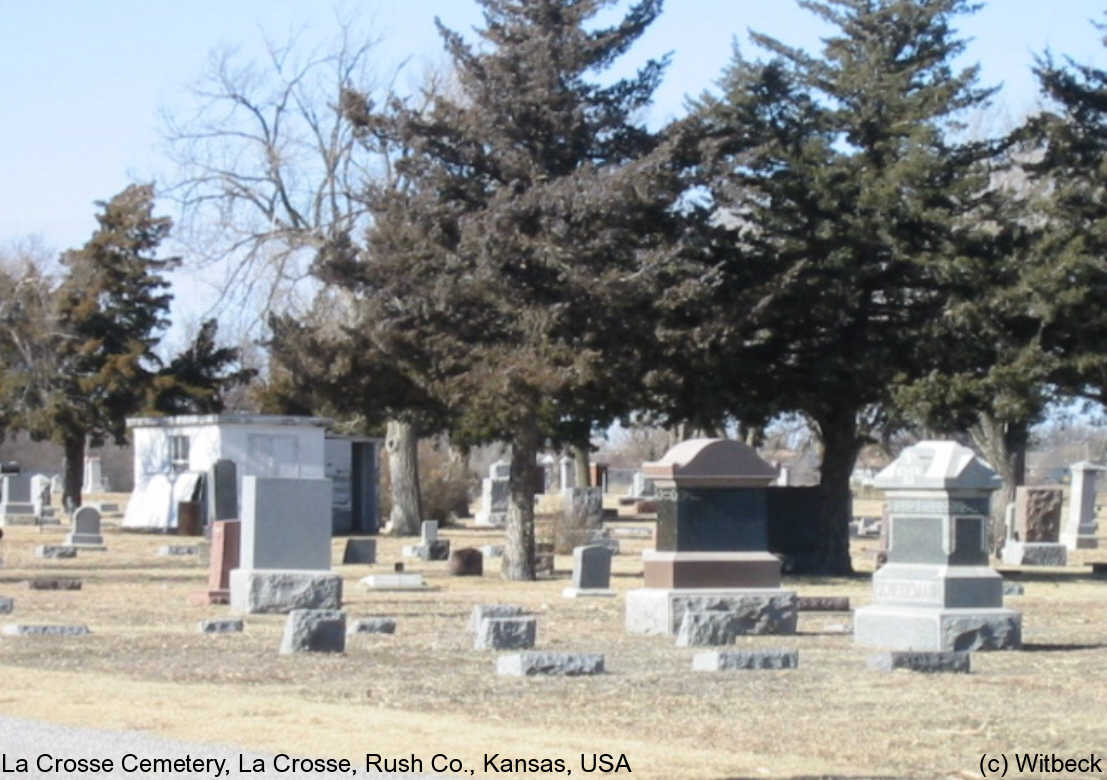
(710, 463)
(937, 465)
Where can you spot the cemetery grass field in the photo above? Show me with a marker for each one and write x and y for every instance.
(425, 691)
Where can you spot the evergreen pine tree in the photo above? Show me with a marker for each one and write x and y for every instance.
(110, 310)
(851, 201)
(1069, 147)
(502, 276)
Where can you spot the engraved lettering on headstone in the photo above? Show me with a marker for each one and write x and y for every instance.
(906, 590)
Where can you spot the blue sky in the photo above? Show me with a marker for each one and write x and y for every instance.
(83, 81)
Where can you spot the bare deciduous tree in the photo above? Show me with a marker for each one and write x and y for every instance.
(270, 170)
(267, 167)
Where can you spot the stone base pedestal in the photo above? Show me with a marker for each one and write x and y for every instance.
(898, 627)
(494, 520)
(17, 514)
(283, 590)
(1081, 541)
(394, 582)
(677, 570)
(1034, 553)
(660, 610)
(85, 541)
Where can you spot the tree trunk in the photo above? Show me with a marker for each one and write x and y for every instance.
(74, 472)
(580, 464)
(1003, 445)
(457, 471)
(518, 558)
(401, 444)
(840, 445)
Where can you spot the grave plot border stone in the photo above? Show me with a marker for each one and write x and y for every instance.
(722, 660)
(433, 550)
(395, 581)
(314, 631)
(372, 625)
(657, 611)
(482, 611)
(929, 661)
(360, 551)
(1015, 553)
(55, 551)
(221, 626)
(177, 550)
(54, 583)
(533, 663)
(822, 603)
(28, 629)
(507, 633)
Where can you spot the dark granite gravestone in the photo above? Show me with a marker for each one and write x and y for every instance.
(224, 483)
(712, 532)
(793, 526)
(1038, 513)
(466, 562)
(712, 519)
(592, 567)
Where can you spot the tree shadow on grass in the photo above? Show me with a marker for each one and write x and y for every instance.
(1054, 577)
(1032, 647)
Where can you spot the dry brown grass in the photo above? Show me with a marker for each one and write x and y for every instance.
(425, 691)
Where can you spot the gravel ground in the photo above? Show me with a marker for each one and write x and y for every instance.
(52, 751)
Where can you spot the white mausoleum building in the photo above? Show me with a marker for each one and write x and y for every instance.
(173, 458)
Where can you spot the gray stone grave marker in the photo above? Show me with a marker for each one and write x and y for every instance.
(936, 592)
(285, 552)
(494, 496)
(591, 572)
(16, 503)
(1079, 529)
(86, 529)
